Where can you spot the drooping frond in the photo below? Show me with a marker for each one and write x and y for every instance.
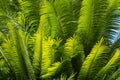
(113, 62)
(94, 61)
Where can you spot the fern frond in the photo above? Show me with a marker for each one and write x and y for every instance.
(113, 62)
(76, 5)
(73, 50)
(65, 17)
(12, 57)
(49, 53)
(56, 18)
(115, 74)
(53, 70)
(38, 53)
(21, 51)
(45, 53)
(112, 21)
(89, 23)
(94, 61)
(30, 9)
(73, 47)
(5, 58)
(49, 20)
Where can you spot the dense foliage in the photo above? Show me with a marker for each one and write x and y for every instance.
(59, 40)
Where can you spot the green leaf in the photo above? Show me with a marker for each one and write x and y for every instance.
(21, 52)
(94, 61)
(115, 74)
(30, 10)
(53, 70)
(113, 62)
(91, 22)
(72, 48)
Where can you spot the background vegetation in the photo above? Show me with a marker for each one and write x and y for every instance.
(59, 39)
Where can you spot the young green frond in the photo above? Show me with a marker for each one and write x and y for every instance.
(94, 61)
(49, 20)
(72, 48)
(113, 62)
(53, 70)
(91, 23)
(21, 52)
(30, 10)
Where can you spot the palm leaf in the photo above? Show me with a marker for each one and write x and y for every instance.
(53, 70)
(12, 57)
(113, 62)
(38, 53)
(91, 22)
(30, 10)
(5, 58)
(115, 74)
(75, 6)
(94, 61)
(45, 52)
(72, 48)
(58, 22)
(21, 50)
(65, 17)
(74, 51)
(49, 20)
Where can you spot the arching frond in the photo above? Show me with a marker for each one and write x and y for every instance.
(73, 47)
(113, 62)
(53, 70)
(94, 61)
(94, 20)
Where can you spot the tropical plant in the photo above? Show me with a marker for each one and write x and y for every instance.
(59, 39)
